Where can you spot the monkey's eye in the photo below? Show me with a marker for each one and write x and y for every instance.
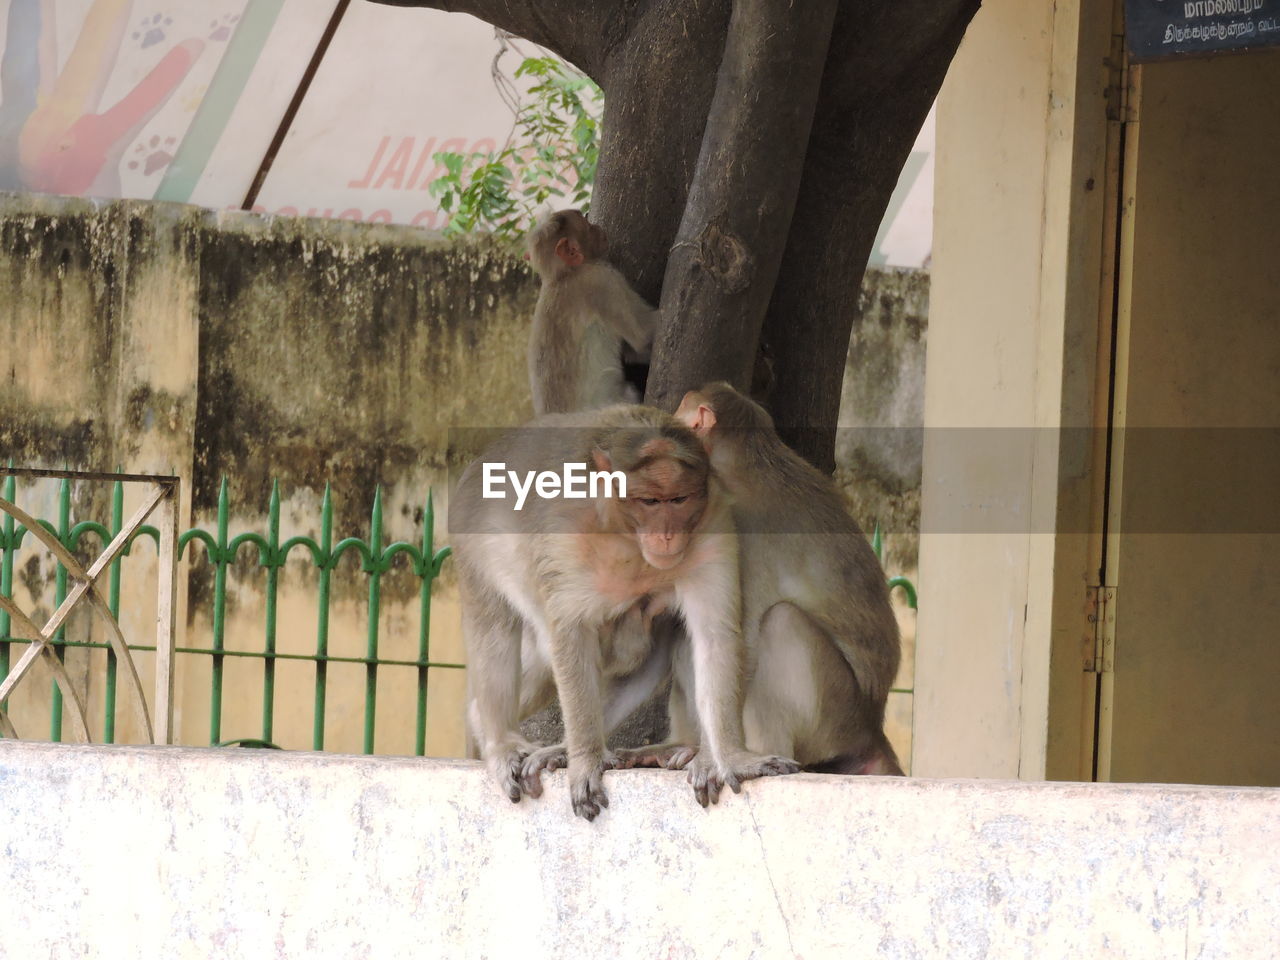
(650, 501)
(677, 500)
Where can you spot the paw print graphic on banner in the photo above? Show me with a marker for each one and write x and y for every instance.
(53, 137)
(153, 155)
(152, 30)
(222, 27)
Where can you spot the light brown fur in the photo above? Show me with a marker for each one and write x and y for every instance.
(817, 622)
(586, 312)
(542, 567)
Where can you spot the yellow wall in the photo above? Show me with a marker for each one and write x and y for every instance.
(1014, 328)
(1062, 207)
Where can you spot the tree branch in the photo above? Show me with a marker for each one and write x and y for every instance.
(884, 68)
(723, 265)
(573, 30)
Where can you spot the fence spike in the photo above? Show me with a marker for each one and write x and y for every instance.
(273, 529)
(222, 514)
(428, 526)
(375, 533)
(326, 522)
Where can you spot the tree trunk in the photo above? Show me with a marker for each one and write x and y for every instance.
(748, 154)
(874, 100)
(656, 107)
(722, 267)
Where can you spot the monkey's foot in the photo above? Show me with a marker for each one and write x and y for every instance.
(553, 757)
(586, 788)
(556, 757)
(505, 764)
(708, 777)
(670, 756)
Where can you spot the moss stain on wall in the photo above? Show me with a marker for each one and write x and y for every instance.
(159, 337)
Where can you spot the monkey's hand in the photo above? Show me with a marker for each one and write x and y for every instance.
(670, 756)
(586, 784)
(708, 777)
(506, 763)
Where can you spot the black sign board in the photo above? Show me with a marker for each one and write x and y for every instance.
(1157, 29)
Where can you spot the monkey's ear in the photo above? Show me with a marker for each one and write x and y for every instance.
(704, 421)
(601, 460)
(569, 252)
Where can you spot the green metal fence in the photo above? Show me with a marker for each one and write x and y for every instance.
(895, 583)
(220, 550)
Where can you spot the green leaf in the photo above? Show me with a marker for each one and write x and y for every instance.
(554, 144)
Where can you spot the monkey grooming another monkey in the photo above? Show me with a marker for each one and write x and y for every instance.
(570, 568)
(586, 311)
(816, 617)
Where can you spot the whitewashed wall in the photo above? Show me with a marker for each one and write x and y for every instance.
(172, 852)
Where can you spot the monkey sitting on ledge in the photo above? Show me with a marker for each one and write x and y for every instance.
(586, 312)
(821, 640)
(816, 618)
(570, 569)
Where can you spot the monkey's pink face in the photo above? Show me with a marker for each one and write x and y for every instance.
(665, 501)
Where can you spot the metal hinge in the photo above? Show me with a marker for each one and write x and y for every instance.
(1120, 94)
(1100, 630)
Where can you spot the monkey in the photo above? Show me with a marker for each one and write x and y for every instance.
(569, 568)
(822, 636)
(585, 315)
(589, 346)
(810, 578)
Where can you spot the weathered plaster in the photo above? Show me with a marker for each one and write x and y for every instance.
(156, 336)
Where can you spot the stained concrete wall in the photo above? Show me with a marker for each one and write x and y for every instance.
(169, 852)
(160, 337)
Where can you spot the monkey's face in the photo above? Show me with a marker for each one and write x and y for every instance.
(665, 501)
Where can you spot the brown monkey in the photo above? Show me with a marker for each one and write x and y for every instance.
(570, 568)
(816, 618)
(587, 322)
(586, 312)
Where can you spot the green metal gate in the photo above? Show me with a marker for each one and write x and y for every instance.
(220, 550)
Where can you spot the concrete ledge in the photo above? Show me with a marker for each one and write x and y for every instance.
(170, 852)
